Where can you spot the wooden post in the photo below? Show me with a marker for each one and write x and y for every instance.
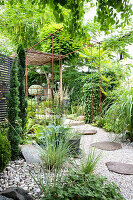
(26, 78)
(100, 83)
(60, 72)
(52, 73)
(91, 86)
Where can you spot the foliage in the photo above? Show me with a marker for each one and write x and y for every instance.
(20, 23)
(78, 110)
(71, 13)
(54, 132)
(111, 74)
(32, 130)
(5, 152)
(76, 185)
(118, 115)
(21, 79)
(6, 47)
(107, 13)
(89, 166)
(54, 156)
(117, 43)
(27, 22)
(34, 76)
(67, 45)
(55, 141)
(82, 92)
(13, 112)
(3, 128)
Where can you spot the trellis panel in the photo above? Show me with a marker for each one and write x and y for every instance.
(5, 66)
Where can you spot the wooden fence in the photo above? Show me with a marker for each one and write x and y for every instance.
(5, 66)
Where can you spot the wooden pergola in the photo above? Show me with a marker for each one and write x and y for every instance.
(38, 58)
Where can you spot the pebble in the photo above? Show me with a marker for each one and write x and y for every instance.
(17, 172)
(124, 155)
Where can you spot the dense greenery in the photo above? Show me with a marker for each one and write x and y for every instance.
(77, 185)
(56, 132)
(107, 12)
(30, 21)
(21, 79)
(5, 152)
(13, 112)
(80, 85)
(25, 21)
(118, 115)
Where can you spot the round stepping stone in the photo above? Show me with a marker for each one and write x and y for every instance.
(80, 118)
(73, 122)
(120, 168)
(109, 146)
(88, 132)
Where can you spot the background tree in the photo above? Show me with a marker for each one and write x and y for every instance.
(14, 121)
(107, 12)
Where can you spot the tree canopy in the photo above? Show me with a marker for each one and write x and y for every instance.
(71, 12)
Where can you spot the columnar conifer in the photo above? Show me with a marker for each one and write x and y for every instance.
(14, 130)
(21, 79)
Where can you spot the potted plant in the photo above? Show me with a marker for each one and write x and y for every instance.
(61, 133)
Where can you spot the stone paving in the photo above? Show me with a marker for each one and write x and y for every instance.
(120, 168)
(108, 146)
(122, 155)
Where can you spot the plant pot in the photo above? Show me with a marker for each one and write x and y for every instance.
(65, 102)
(74, 145)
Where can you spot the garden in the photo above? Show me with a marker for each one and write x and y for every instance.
(66, 96)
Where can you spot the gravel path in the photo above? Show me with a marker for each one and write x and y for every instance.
(17, 172)
(124, 155)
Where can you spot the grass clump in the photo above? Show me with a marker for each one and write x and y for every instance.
(89, 166)
(53, 155)
(119, 111)
(55, 144)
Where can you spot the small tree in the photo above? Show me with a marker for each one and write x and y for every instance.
(21, 79)
(14, 130)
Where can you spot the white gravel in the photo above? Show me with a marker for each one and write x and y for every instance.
(17, 172)
(124, 155)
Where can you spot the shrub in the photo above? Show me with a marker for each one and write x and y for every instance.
(119, 112)
(3, 128)
(5, 152)
(54, 132)
(55, 141)
(76, 186)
